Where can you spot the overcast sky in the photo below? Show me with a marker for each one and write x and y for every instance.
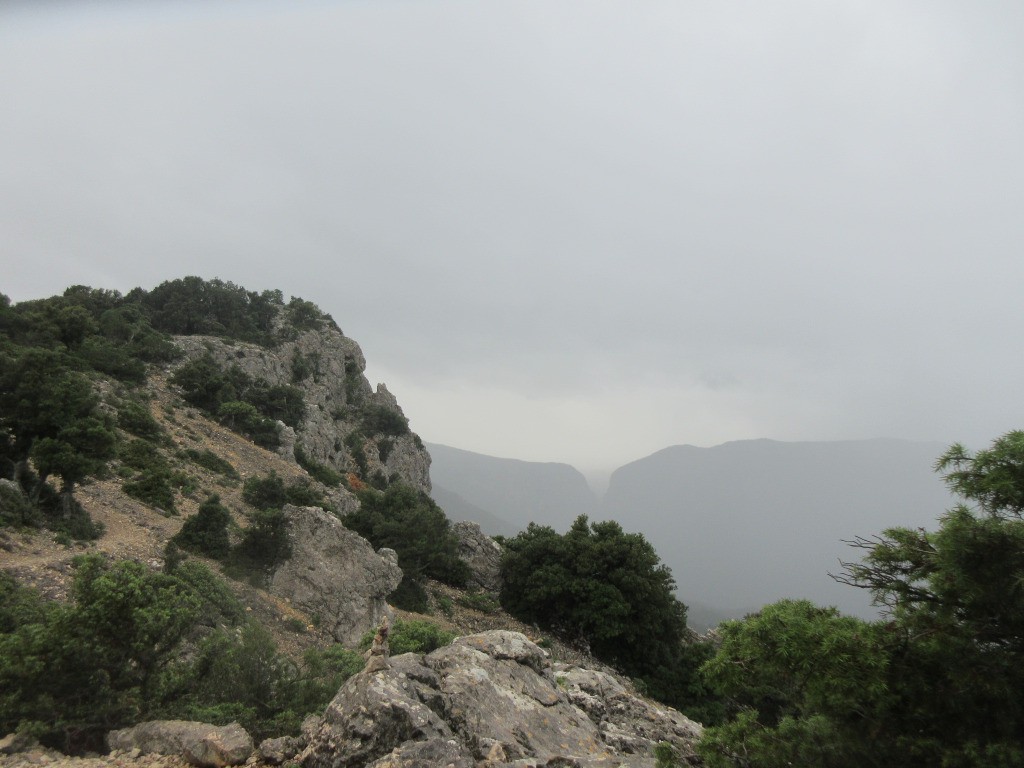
(560, 231)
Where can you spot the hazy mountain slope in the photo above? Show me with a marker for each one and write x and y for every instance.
(458, 509)
(515, 491)
(749, 522)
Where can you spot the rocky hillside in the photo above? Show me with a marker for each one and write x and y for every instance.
(188, 433)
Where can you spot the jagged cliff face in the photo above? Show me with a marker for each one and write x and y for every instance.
(338, 429)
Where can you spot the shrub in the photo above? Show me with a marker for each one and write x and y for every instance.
(152, 487)
(206, 532)
(320, 472)
(211, 461)
(608, 589)
(135, 417)
(416, 636)
(270, 493)
(264, 544)
(409, 522)
(484, 602)
(381, 420)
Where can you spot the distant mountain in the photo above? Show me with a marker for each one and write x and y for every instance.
(512, 491)
(747, 523)
(458, 509)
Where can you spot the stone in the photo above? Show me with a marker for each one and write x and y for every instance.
(16, 742)
(202, 744)
(481, 553)
(375, 713)
(492, 699)
(334, 574)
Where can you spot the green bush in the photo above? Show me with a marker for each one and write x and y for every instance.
(152, 487)
(211, 461)
(416, 636)
(485, 602)
(269, 492)
(381, 420)
(607, 589)
(264, 544)
(206, 532)
(135, 417)
(409, 522)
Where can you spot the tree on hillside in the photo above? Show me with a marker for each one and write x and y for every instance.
(607, 589)
(409, 522)
(51, 415)
(939, 682)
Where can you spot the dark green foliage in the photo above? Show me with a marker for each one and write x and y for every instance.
(192, 305)
(16, 510)
(154, 480)
(416, 636)
(135, 417)
(218, 605)
(409, 522)
(485, 602)
(807, 685)
(269, 492)
(355, 441)
(304, 366)
(49, 414)
(304, 315)
(318, 471)
(248, 406)
(264, 544)
(266, 492)
(94, 664)
(939, 682)
(240, 677)
(152, 488)
(246, 420)
(381, 420)
(113, 656)
(206, 532)
(211, 461)
(607, 589)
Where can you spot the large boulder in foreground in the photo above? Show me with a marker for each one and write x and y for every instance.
(202, 744)
(334, 574)
(492, 699)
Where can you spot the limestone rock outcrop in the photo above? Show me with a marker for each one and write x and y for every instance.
(334, 574)
(481, 553)
(491, 699)
(342, 427)
(202, 744)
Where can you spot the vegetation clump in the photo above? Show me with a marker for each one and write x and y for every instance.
(408, 521)
(606, 590)
(939, 681)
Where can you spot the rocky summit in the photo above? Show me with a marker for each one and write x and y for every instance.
(496, 699)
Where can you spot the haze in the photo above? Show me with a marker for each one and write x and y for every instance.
(561, 231)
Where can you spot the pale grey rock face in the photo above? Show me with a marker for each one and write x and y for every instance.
(491, 699)
(337, 396)
(627, 723)
(202, 744)
(481, 553)
(334, 574)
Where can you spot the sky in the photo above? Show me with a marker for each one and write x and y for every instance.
(559, 230)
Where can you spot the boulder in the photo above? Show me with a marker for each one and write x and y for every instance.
(334, 574)
(202, 744)
(628, 723)
(492, 699)
(482, 554)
